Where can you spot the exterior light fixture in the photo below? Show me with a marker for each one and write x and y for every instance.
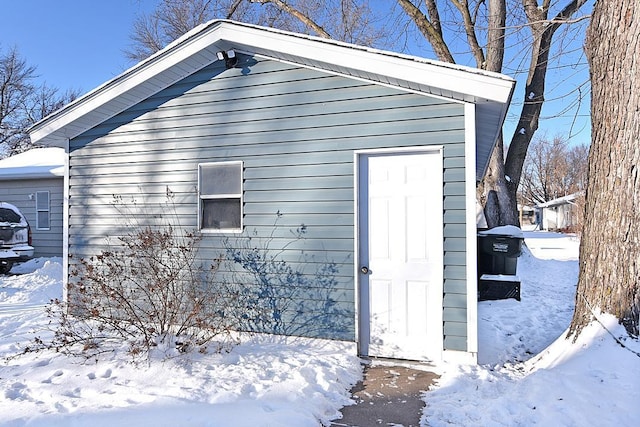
(229, 57)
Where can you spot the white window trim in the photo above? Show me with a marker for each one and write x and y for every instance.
(48, 210)
(221, 196)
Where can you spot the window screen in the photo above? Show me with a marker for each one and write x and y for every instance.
(220, 190)
(43, 217)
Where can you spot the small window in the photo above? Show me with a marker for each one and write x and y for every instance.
(43, 217)
(220, 196)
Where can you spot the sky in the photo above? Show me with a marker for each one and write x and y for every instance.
(80, 44)
(74, 44)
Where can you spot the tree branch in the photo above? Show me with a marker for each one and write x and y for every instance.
(495, 35)
(430, 29)
(534, 89)
(306, 20)
(233, 8)
(469, 29)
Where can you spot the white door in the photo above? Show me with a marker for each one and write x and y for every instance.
(401, 255)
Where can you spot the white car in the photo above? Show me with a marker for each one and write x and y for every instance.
(15, 237)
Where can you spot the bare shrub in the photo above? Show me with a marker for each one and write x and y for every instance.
(149, 291)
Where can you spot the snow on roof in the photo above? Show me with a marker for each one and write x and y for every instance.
(35, 163)
(561, 200)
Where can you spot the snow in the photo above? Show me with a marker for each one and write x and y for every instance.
(37, 162)
(504, 230)
(528, 373)
(265, 381)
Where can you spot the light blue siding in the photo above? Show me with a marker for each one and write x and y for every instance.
(296, 130)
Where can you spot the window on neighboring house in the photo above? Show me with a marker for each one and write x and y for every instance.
(43, 212)
(220, 196)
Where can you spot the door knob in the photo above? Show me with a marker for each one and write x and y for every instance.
(364, 269)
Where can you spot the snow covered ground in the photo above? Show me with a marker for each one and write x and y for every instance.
(528, 373)
(267, 381)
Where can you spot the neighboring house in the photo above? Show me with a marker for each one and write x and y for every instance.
(33, 181)
(561, 214)
(376, 153)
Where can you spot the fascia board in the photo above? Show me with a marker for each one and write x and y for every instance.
(470, 83)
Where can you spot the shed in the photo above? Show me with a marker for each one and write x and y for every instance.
(374, 154)
(33, 181)
(562, 213)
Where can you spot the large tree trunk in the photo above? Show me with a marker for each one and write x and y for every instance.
(494, 194)
(609, 277)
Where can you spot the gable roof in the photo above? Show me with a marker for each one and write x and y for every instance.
(490, 92)
(32, 164)
(565, 200)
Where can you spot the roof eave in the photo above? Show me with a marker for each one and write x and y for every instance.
(165, 59)
(198, 48)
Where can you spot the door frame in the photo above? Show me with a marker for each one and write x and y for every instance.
(362, 314)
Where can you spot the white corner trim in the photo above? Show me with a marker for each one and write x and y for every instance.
(470, 217)
(65, 224)
(356, 250)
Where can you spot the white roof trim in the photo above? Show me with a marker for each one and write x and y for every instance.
(449, 77)
(197, 49)
(561, 200)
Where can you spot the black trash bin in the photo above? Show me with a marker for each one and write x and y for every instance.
(498, 252)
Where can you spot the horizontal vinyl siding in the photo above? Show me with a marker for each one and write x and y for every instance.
(455, 291)
(295, 130)
(47, 243)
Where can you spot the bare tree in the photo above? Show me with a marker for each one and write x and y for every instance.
(22, 102)
(578, 158)
(552, 169)
(16, 85)
(347, 20)
(44, 100)
(484, 27)
(609, 278)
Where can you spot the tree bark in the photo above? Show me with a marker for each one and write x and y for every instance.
(609, 278)
(496, 35)
(429, 27)
(493, 191)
